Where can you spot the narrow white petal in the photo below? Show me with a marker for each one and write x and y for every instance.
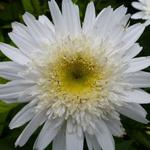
(15, 86)
(10, 92)
(116, 32)
(44, 20)
(10, 70)
(10, 98)
(138, 15)
(89, 18)
(138, 64)
(31, 23)
(88, 141)
(26, 46)
(14, 54)
(37, 30)
(25, 37)
(134, 111)
(57, 17)
(133, 33)
(92, 142)
(60, 140)
(102, 23)
(72, 18)
(132, 52)
(31, 128)
(9, 75)
(119, 14)
(139, 79)
(104, 136)
(23, 116)
(136, 96)
(74, 141)
(21, 30)
(48, 133)
(138, 5)
(115, 127)
(28, 94)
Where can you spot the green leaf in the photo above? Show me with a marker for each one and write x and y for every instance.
(27, 5)
(6, 107)
(4, 110)
(125, 145)
(10, 11)
(36, 5)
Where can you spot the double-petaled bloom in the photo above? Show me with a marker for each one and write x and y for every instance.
(75, 79)
(144, 9)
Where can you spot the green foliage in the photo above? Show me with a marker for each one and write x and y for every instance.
(137, 135)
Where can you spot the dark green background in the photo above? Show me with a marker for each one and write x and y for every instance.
(137, 135)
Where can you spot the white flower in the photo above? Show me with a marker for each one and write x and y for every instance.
(76, 80)
(144, 7)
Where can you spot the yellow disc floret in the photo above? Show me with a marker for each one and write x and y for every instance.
(77, 74)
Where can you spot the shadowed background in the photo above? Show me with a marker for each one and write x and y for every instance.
(137, 135)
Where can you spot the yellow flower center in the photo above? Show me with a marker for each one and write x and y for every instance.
(77, 74)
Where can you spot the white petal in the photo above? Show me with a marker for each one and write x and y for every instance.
(14, 54)
(117, 25)
(119, 14)
(104, 136)
(8, 75)
(138, 15)
(103, 22)
(10, 98)
(31, 128)
(57, 17)
(14, 86)
(139, 79)
(59, 142)
(10, 70)
(44, 20)
(10, 92)
(115, 127)
(28, 94)
(92, 142)
(21, 30)
(133, 33)
(25, 38)
(136, 96)
(74, 141)
(48, 133)
(23, 116)
(132, 52)
(71, 17)
(134, 111)
(37, 30)
(26, 46)
(89, 18)
(138, 5)
(32, 24)
(138, 64)
(88, 141)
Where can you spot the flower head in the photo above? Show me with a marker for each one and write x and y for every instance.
(144, 7)
(76, 80)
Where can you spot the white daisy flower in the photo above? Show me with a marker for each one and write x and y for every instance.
(76, 79)
(144, 7)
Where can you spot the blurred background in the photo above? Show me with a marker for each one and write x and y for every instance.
(137, 135)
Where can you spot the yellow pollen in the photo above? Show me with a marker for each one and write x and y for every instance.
(76, 74)
(75, 78)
